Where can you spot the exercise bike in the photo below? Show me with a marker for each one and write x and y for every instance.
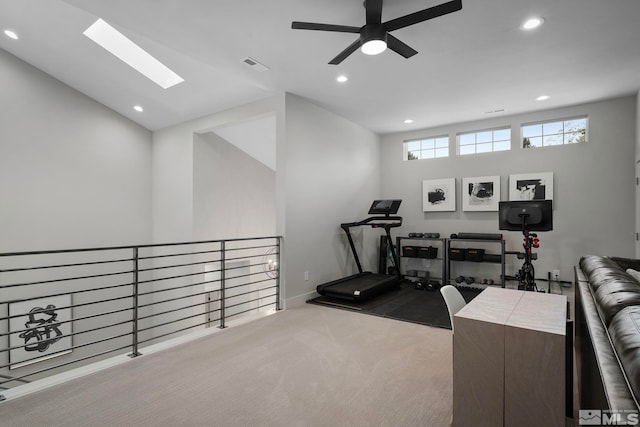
(526, 216)
(526, 274)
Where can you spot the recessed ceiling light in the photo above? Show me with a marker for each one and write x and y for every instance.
(408, 121)
(11, 34)
(341, 79)
(133, 55)
(543, 98)
(138, 108)
(532, 23)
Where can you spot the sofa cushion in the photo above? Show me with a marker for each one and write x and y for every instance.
(604, 276)
(590, 263)
(620, 285)
(610, 304)
(614, 295)
(624, 331)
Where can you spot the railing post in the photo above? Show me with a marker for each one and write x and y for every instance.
(278, 270)
(222, 285)
(134, 333)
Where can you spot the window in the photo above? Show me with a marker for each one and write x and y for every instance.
(485, 141)
(427, 148)
(556, 132)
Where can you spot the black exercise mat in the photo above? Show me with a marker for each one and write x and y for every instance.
(406, 303)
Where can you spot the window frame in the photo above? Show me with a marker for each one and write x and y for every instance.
(406, 151)
(562, 120)
(492, 142)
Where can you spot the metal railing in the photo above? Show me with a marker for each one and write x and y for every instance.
(65, 308)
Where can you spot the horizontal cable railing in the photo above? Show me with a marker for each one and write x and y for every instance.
(64, 308)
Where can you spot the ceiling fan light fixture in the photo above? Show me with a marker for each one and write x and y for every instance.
(374, 47)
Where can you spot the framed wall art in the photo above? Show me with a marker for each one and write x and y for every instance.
(40, 330)
(531, 186)
(480, 193)
(439, 195)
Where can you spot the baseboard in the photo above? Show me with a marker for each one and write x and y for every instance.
(299, 300)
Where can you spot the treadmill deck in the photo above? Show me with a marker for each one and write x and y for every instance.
(359, 286)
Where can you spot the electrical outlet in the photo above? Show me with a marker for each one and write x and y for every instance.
(555, 275)
(306, 276)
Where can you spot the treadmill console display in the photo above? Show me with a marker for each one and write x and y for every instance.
(384, 207)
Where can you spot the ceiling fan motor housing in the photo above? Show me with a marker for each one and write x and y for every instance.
(373, 32)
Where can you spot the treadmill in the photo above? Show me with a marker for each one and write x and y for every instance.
(365, 284)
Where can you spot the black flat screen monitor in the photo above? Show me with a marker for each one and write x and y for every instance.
(538, 215)
(384, 207)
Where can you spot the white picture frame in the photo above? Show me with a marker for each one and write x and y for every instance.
(481, 193)
(439, 195)
(40, 329)
(531, 186)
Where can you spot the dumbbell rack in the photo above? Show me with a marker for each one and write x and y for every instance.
(501, 243)
(434, 272)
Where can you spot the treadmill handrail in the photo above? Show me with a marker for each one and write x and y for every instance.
(387, 228)
(368, 221)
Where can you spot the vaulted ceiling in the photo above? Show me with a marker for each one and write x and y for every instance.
(472, 64)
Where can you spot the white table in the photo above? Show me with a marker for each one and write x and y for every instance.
(509, 360)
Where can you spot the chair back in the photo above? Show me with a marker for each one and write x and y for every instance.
(454, 300)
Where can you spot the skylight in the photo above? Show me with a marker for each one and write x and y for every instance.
(133, 55)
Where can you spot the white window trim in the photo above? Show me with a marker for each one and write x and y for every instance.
(492, 129)
(556, 120)
(405, 146)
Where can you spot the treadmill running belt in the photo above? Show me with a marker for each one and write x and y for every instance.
(359, 286)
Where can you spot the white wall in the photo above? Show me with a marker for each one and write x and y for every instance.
(234, 194)
(73, 173)
(173, 170)
(594, 208)
(332, 176)
(256, 137)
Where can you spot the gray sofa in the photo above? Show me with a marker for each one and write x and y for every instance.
(607, 333)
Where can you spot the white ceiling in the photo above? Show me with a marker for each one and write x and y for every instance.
(469, 62)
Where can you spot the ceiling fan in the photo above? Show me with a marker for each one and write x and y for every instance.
(374, 35)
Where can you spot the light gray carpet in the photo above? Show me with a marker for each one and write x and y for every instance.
(308, 366)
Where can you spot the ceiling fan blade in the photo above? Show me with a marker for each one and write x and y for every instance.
(399, 47)
(348, 51)
(296, 25)
(423, 15)
(374, 11)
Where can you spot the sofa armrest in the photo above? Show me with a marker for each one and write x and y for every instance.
(601, 382)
